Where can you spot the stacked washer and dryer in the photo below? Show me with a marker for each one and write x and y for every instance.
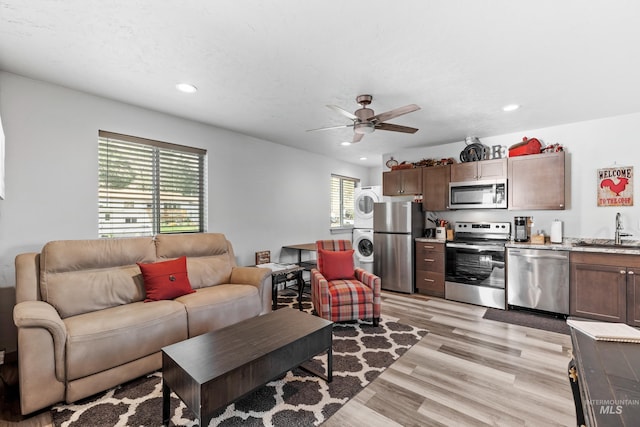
(365, 197)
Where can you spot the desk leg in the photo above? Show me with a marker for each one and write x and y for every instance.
(300, 280)
(274, 293)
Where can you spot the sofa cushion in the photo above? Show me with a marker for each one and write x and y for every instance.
(165, 279)
(80, 276)
(111, 337)
(210, 257)
(337, 264)
(218, 306)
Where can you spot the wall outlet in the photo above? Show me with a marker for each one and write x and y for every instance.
(2, 357)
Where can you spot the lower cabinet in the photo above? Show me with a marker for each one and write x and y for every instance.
(430, 268)
(604, 287)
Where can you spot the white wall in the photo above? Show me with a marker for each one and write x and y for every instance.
(260, 194)
(589, 146)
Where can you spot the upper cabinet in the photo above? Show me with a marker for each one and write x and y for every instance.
(475, 171)
(402, 182)
(435, 188)
(536, 181)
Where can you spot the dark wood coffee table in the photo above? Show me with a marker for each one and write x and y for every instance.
(212, 370)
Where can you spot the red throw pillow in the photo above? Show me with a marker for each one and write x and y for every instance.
(166, 279)
(337, 265)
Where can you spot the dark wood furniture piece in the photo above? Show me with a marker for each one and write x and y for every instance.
(537, 181)
(606, 381)
(604, 287)
(435, 188)
(430, 258)
(214, 369)
(402, 182)
(283, 276)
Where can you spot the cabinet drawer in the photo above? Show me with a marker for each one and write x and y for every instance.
(422, 247)
(430, 261)
(430, 283)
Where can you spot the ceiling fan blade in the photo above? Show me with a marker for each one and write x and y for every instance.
(383, 117)
(396, 128)
(357, 137)
(343, 112)
(330, 127)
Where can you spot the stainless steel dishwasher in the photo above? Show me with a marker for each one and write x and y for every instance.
(538, 279)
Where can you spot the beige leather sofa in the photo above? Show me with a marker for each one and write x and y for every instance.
(83, 325)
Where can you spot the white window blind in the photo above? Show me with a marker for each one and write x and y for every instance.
(149, 187)
(342, 201)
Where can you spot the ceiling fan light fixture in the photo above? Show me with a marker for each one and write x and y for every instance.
(186, 88)
(363, 128)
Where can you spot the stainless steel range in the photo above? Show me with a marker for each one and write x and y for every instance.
(474, 271)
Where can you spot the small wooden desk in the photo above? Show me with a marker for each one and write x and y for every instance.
(608, 379)
(303, 247)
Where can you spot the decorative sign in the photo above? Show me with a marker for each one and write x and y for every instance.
(263, 257)
(615, 186)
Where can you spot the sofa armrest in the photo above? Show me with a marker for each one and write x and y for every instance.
(369, 279)
(39, 314)
(258, 277)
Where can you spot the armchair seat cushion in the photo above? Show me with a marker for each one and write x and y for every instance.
(102, 339)
(350, 299)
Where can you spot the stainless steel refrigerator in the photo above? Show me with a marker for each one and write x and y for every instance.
(396, 225)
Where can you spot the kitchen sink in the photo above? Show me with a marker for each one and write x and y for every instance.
(606, 245)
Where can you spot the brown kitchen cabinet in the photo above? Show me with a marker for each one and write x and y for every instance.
(402, 182)
(603, 286)
(536, 181)
(430, 268)
(435, 188)
(476, 171)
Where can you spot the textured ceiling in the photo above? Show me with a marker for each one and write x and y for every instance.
(268, 68)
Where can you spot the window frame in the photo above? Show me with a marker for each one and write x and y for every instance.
(156, 162)
(341, 224)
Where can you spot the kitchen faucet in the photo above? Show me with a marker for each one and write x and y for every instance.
(618, 235)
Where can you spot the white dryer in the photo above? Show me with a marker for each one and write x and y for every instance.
(365, 197)
(363, 248)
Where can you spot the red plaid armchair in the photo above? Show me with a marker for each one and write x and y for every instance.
(343, 295)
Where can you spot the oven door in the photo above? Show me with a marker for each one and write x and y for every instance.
(475, 264)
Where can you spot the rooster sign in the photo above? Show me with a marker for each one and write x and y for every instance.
(615, 186)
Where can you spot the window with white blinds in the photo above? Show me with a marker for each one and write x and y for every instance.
(342, 201)
(149, 187)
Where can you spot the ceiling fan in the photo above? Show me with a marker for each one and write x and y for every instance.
(366, 121)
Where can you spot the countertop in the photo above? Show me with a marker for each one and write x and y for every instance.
(629, 247)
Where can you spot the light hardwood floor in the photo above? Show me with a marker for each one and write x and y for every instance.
(467, 371)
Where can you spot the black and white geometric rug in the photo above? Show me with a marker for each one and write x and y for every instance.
(360, 353)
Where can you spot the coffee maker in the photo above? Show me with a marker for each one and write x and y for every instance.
(521, 228)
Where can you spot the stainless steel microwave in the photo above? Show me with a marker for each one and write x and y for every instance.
(486, 194)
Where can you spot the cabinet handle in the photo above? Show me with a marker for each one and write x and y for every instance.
(429, 280)
(429, 259)
(630, 273)
(428, 247)
(623, 272)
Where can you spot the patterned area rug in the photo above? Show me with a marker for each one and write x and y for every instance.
(360, 353)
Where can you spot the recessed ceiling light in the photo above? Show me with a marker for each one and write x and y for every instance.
(186, 88)
(345, 143)
(510, 107)
(363, 158)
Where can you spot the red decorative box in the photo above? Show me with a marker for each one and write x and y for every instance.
(527, 146)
